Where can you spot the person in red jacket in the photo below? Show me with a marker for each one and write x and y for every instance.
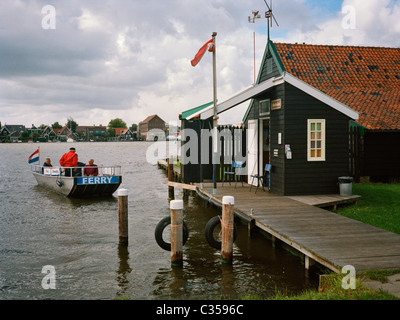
(69, 159)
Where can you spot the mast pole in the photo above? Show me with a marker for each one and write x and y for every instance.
(215, 118)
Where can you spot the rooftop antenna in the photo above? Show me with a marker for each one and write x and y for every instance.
(253, 20)
(269, 15)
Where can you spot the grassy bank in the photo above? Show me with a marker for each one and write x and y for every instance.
(331, 289)
(379, 206)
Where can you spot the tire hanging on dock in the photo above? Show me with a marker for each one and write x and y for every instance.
(209, 232)
(158, 233)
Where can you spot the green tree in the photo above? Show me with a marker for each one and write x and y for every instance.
(133, 127)
(34, 136)
(117, 123)
(71, 124)
(110, 132)
(24, 136)
(56, 125)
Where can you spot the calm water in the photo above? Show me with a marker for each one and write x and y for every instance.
(80, 238)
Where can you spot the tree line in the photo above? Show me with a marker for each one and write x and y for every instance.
(71, 124)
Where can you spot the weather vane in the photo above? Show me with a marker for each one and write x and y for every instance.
(253, 20)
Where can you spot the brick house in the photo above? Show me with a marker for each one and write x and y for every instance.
(154, 123)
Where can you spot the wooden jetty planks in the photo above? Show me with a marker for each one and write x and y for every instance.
(182, 185)
(326, 237)
(325, 200)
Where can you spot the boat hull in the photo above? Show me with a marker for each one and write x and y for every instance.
(80, 187)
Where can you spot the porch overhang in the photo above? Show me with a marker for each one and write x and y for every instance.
(195, 112)
(253, 91)
(242, 96)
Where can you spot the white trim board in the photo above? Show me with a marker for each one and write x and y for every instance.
(253, 91)
(243, 96)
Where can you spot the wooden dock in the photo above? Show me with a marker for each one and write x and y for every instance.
(319, 235)
(163, 164)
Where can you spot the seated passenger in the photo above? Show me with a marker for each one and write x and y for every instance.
(91, 169)
(47, 163)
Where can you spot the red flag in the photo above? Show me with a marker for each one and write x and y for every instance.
(209, 45)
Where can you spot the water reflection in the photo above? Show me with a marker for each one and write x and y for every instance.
(258, 267)
(227, 279)
(123, 270)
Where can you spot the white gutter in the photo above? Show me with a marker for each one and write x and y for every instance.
(242, 96)
(253, 91)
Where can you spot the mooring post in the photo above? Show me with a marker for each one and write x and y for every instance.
(171, 191)
(227, 226)
(123, 216)
(176, 207)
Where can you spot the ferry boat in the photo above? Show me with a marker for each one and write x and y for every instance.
(72, 182)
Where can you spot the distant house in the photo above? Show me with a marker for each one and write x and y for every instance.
(92, 133)
(12, 131)
(47, 130)
(34, 129)
(127, 134)
(120, 131)
(65, 133)
(51, 135)
(152, 123)
(47, 133)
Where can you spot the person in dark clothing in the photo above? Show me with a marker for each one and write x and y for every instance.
(47, 163)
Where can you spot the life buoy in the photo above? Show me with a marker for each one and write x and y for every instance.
(209, 232)
(158, 233)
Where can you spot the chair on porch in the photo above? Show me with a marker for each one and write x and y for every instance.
(262, 179)
(235, 166)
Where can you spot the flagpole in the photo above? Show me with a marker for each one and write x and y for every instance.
(215, 132)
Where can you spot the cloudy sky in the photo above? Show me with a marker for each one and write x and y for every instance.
(102, 59)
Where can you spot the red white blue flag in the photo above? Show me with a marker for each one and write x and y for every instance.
(34, 156)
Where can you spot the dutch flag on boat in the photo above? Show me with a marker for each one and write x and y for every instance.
(34, 156)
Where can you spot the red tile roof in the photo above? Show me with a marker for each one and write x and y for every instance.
(148, 118)
(366, 79)
(120, 131)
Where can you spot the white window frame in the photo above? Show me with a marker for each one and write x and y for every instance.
(259, 107)
(323, 140)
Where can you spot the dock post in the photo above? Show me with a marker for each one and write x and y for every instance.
(123, 216)
(170, 167)
(176, 207)
(227, 226)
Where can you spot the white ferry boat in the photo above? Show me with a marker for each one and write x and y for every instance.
(72, 182)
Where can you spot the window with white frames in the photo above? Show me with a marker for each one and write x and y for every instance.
(264, 106)
(316, 140)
